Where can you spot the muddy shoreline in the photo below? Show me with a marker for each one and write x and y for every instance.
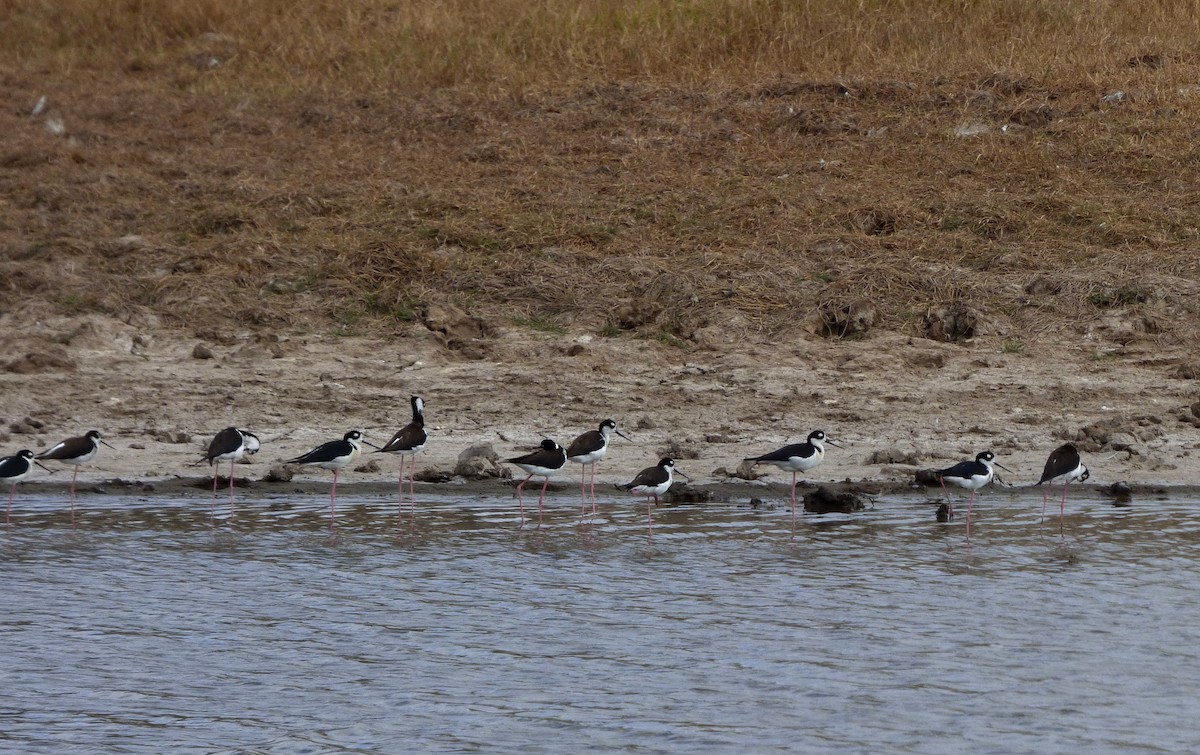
(894, 403)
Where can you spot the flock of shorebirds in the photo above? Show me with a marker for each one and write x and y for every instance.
(1064, 465)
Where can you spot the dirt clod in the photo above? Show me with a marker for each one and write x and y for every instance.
(202, 352)
(54, 359)
(826, 500)
(893, 455)
(477, 462)
(280, 473)
(953, 322)
(170, 436)
(849, 320)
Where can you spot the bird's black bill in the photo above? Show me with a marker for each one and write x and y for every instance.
(43, 466)
(623, 435)
(108, 444)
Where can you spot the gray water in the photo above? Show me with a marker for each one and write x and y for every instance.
(145, 630)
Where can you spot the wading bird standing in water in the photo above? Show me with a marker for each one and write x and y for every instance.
(333, 456)
(798, 457)
(1065, 466)
(653, 482)
(408, 442)
(75, 451)
(587, 450)
(229, 445)
(971, 475)
(545, 463)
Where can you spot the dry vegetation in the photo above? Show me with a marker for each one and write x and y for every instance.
(604, 164)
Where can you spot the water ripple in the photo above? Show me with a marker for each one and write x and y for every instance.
(143, 629)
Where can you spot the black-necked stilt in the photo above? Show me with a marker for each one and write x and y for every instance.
(15, 468)
(971, 475)
(798, 457)
(1065, 466)
(545, 462)
(588, 449)
(408, 441)
(75, 451)
(333, 456)
(653, 482)
(229, 445)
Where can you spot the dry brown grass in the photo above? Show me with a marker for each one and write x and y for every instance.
(335, 165)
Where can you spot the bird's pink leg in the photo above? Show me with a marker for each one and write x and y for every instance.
(969, 505)
(545, 482)
(520, 498)
(593, 488)
(793, 500)
(212, 504)
(582, 490)
(1062, 507)
(232, 513)
(649, 516)
(73, 476)
(8, 511)
(332, 500)
(400, 488)
(412, 484)
(1044, 493)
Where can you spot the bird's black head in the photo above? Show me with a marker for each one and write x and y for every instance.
(93, 434)
(250, 441)
(418, 407)
(608, 424)
(549, 445)
(352, 435)
(985, 456)
(666, 463)
(1086, 474)
(816, 435)
(25, 453)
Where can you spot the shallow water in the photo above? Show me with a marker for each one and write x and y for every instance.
(145, 630)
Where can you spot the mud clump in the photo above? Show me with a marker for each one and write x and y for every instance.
(634, 314)
(1186, 371)
(928, 477)
(201, 351)
(849, 320)
(826, 500)
(35, 362)
(281, 473)
(170, 436)
(679, 450)
(433, 474)
(1127, 435)
(953, 323)
(893, 455)
(686, 494)
(478, 462)
(748, 470)
(27, 426)
(457, 330)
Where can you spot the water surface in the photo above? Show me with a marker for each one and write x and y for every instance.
(143, 629)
